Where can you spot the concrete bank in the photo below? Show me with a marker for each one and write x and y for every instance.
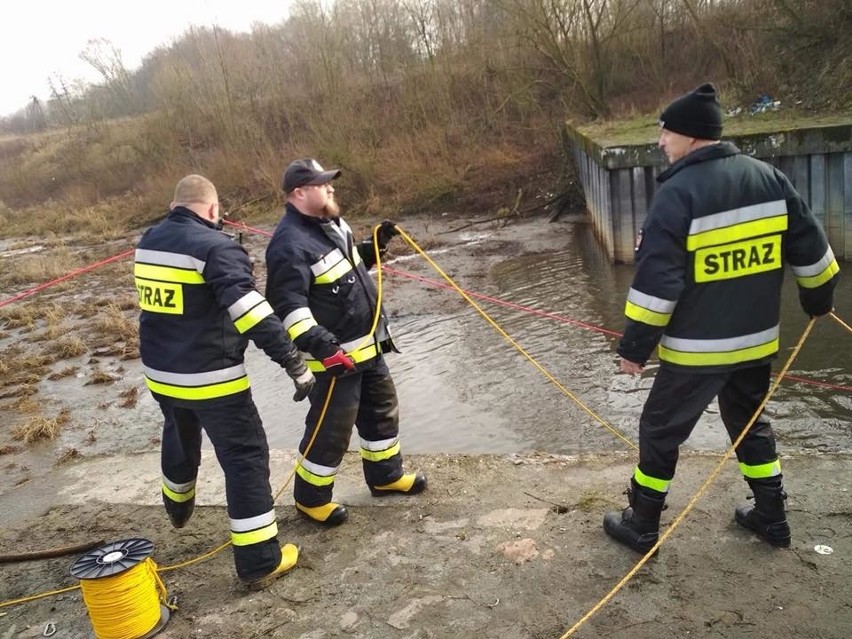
(506, 546)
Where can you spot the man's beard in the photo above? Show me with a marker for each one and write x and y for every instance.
(331, 209)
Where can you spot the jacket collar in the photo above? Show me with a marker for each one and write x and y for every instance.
(183, 213)
(704, 154)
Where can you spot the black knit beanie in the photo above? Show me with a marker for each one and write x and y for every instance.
(696, 114)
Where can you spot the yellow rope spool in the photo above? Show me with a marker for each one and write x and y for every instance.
(124, 595)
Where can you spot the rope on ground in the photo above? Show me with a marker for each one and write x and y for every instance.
(692, 502)
(517, 346)
(841, 322)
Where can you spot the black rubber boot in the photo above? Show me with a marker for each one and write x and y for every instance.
(179, 512)
(637, 526)
(767, 517)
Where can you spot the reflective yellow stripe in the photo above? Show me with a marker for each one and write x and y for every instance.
(646, 481)
(210, 391)
(719, 358)
(178, 497)
(255, 315)
(380, 455)
(356, 257)
(646, 316)
(300, 327)
(167, 274)
(254, 536)
(314, 480)
(334, 273)
(818, 280)
(761, 471)
(738, 259)
(737, 232)
(160, 297)
(361, 355)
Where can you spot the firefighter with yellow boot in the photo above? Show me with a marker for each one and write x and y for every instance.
(707, 289)
(200, 308)
(319, 285)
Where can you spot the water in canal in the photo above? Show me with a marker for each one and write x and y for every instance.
(464, 389)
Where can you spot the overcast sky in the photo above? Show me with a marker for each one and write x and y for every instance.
(39, 39)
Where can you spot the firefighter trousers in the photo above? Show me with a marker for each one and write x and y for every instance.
(234, 428)
(366, 398)
(676, 402)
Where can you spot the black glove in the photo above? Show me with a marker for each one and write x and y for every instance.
(387, 231)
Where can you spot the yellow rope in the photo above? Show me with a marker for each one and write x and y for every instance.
(713, 475)
(126, 605)
(517, 346)
(841, 322)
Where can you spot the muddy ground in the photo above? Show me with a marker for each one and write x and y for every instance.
(499, 546)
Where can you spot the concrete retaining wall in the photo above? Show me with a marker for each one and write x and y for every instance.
(619, 180)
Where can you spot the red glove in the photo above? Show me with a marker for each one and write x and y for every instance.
(338, 363)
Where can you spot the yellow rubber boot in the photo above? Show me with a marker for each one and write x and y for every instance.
(329, 514)
(408, 484)
(289, 557)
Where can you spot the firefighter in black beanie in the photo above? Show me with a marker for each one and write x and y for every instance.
(707, 292)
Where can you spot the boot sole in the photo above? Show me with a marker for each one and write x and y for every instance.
(415, 489)
(331, 522)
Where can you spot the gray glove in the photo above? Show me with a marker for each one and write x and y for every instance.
(304, 384)
(298, 371)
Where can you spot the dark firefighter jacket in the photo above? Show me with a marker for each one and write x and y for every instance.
(710, 262)
(199, 309)
(319, 285)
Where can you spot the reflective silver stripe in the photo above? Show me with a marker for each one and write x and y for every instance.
(382, 444)
(164, 258)
(350, 346)
(719, 345)
(816, 268)
(326, 263)
(318, 469)
(245, 303)
(738, 216)
(196, 379)
(178, 488)
(656, 304)
(297, 316)
(253, 523)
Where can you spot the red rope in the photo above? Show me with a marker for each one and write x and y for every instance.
(67, 276)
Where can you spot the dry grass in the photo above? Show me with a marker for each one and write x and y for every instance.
(68, 455)
(129, 397)
(18, 315)
(9, 450)
(113, 325)
(26, 404)
(99, 376)
(63, 373)
(21, 390)
(66, 347)
(40, 428)
(21, 367)
(35, 269)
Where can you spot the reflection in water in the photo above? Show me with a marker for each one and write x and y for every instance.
(464, 388)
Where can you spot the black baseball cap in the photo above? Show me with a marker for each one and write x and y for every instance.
(307, 172)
